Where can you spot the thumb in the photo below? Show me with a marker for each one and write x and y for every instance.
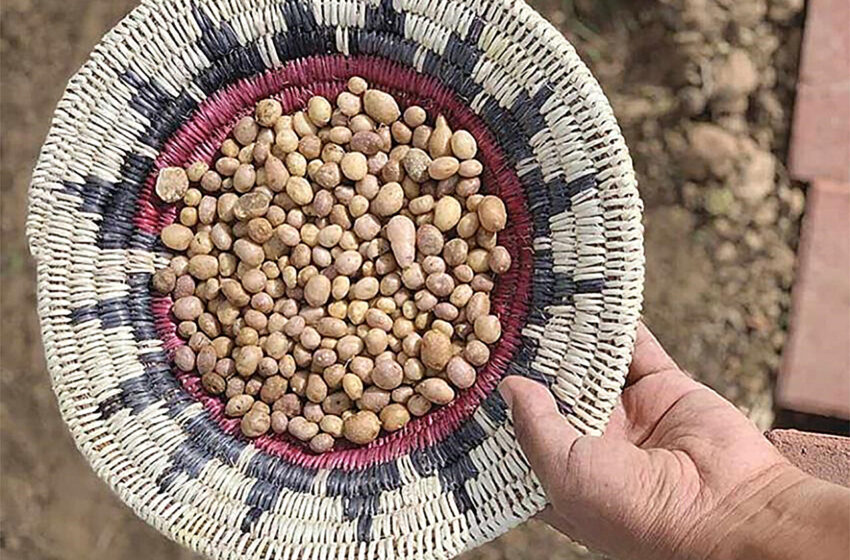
(544, 435)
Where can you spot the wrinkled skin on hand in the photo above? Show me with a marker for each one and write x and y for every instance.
(677, 470)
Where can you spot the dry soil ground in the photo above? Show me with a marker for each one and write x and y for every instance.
(703, 90)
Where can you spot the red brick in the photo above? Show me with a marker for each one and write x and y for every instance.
(826, 457)
(815, 373)
(820, 138)
(825, 58)
(820, 141)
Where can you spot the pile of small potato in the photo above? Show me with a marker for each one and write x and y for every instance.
(332, 272)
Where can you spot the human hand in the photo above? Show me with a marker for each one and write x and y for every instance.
(679, 472)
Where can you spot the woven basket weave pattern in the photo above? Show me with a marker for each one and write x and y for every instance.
(163, 88)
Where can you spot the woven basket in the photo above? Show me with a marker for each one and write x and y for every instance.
(163, 88)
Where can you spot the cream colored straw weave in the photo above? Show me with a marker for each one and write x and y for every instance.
(155, 92)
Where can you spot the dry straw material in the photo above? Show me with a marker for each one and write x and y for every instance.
(162, 89)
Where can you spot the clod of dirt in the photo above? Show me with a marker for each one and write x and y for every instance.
(735, 77)
(783, 11)
(757, 175)
(712, 151)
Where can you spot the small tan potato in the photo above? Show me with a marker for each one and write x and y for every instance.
(436, 390)
(365, 288)
(317, 389)
(367, 227)
(286, 142)
(429, 240)
(387, 374)
(349, 347)
(374, 399)
(477, 306)
(337, 403)
(301, 428)
(299, 190)
(362, 427)
(331, 424)
(401, 133)
(390, 199)
(312, 412)
(276, 174)
(328, 175)
(401, 233)
(418, 405)
(447, 213)
(381, 106)
(461, 295)
(376, 341)
(205, 360)
(470, 168)
(298, 382)
(488, 329)
(248, 359)
(479, 260)
(486, 239)
(366, 142)
(460, 372)
(188, 216)
(238, 405)
(289, 404)
(196, 171)
(214, 383)
(443, 168)
(321, 443)
(279, 422)
(440, 138)
(482, 283)
(268, 111)
(349, 104)
(255, 423)
(463, 145)
(394, 417)
(402, 394)
(176, 237)
(319, 110)
(468, 225)
(164, 280)
(354, 166)
(436, 349)
(492, 214)
(332, 327)
(203, 267)
(249, 252)
(414, 116)
(188, 308)
(467, 187)
(353, 386)
(318, 290)
(357, 312)
(333, 374)
(500, 260)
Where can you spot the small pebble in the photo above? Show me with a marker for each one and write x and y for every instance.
(171, 184)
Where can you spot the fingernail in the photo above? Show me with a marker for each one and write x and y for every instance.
(507, 393)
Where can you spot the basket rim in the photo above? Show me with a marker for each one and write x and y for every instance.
(52, 213)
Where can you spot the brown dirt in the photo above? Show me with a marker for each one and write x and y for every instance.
(688, 79)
